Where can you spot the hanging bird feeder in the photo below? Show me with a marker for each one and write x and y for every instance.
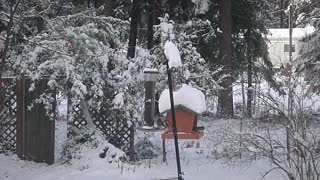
(150, 78)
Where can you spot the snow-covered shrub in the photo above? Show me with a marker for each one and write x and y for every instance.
(90, 145)
(129, 84)
(4, 146)
(291, 143)
(130, 77)
(145, 149)
(224, 141)
(297, 157)
(73, 50)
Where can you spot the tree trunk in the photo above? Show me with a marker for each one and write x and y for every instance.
(154, 13)
(108, 6)
(281, 14)
(135, 10)
(250, 93)
(151, 18)
(226, 97)
(244, 105)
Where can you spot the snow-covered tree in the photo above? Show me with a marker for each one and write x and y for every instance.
(195, 70)
(309, 60)
(81, 47)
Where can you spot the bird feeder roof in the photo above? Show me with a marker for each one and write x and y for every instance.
(187, 98)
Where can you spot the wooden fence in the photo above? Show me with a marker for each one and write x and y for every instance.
(116, 129)
(35, 129)
(31, 132)
(7, 115)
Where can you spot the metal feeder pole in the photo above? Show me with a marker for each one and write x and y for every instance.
(174, 125)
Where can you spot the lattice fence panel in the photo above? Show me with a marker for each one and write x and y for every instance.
(78, 117)
(8, 110)
(117, 131)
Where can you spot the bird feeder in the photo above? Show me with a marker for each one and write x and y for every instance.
(187, 124)
(150, 78)
(189, 104)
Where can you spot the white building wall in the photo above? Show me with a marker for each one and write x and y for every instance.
(278, 38)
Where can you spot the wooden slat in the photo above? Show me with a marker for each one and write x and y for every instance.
(20, 119)
(46, 131)
(30, 125)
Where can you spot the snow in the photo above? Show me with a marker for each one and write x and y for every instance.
(202, 6)
(60, 138)
(172, 54)
(118, 100)
(186, 74)
(166, 27)
(14, 169)
(296, 33)
(61, 126)
(147, 127)
(196, 163)
(186, 96)
(219, 30)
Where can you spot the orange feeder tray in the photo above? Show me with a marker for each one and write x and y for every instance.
(186, 121)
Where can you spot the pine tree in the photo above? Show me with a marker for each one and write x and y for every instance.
(276, 11)
(135, 10)
(254, 59)
(10, 12)
(226, 95)
(309, 60)
(306, 12)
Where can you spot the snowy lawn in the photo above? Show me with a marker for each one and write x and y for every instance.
(13, 169)
(197, 163)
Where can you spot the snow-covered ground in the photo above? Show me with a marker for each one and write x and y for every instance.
(207, 158)
(198, 162)
(13, 169)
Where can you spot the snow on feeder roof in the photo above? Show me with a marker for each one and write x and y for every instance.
(172, 54)
(187, 97)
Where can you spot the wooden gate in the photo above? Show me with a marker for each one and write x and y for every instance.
(35, 130)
